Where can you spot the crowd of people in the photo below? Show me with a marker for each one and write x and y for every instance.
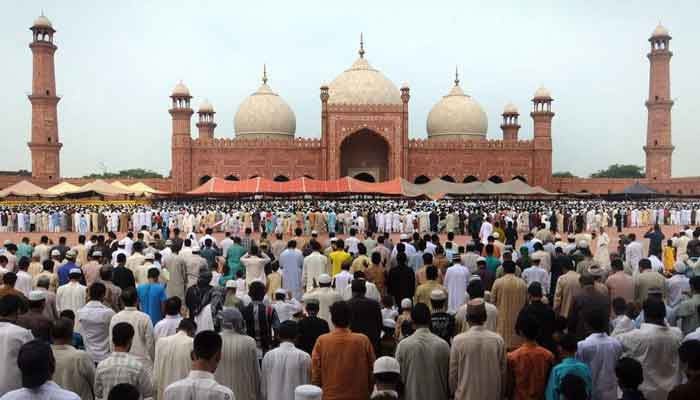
(537, 303)
(338, 216)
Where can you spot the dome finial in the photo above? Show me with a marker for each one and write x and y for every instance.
(264, 78)
(362, 46)
(456, 76)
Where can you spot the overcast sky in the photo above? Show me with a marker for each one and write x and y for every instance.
(118, 61)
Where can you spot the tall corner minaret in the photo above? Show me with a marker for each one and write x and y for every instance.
(659, 147)
(181, 112)
(542, 142)
(44, 144)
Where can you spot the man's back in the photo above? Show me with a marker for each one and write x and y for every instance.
(338, 356)
(366, 317)
(477, 365)
(310, 329)
(172, 360)
(424, 359)
(12, 337)
(75, 370)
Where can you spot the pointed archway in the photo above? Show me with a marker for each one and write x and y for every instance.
(364, 177)
(365, 152)
(421, 179)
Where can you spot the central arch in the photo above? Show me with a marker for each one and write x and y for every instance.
(364, 177)
(365, 152)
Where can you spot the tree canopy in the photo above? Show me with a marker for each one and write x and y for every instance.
(620, 171)
(563, 174)
(134, 173)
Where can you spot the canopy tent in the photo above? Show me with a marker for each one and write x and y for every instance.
(436, 188)
(63, 188)
(120, 185)
(102, 188)
(141, 187)
(25, 189)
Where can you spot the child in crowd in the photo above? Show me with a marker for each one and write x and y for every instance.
(629, 377)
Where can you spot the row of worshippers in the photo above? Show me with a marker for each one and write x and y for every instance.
(393, 216)
(343, 363)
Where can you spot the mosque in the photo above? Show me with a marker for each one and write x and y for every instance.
(364, 133)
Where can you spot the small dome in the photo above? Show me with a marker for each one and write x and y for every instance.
(362, 84)
(542, 93)
(660, 31)
(206, 107)
(264, 114)
(180, 90)
(42, 22)
(457, 115)
(510, 108)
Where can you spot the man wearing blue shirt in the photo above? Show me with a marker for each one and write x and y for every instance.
(569, 365)
(64, 270)
(152, 296)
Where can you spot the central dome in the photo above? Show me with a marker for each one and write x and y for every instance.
(457, 116)
(362, 84)
(264, 114)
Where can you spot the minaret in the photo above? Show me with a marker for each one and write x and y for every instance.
(659, 147)
(44, 144)
(542, 143)
(510, 124)
(181, 112)
(206, 124)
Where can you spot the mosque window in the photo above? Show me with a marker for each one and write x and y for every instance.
(232, 178)
(204, 179)
(447, 178)
(470, 178)
(48, 93)
(520, 178)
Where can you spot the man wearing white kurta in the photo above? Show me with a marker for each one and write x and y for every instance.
(456, 279)
(315, 264)
(326, 297)
(238, 369)
(143, 343)
(172, 360)
(71, 296)
(286, 367)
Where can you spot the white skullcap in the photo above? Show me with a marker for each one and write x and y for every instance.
(37, 295)
(308, 392)
(438, 294)
(55, 253)
(582, 244)
(496, 235)
(281, 291)
(149, 256)
(406, 303)
(386, 364)
(324, 279)
(75, 271)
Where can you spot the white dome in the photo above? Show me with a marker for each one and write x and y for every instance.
(510, 108)
(264, 114)
(206, 107)
(362, 84)
(660, 31)
(457, 116)
(542, 93)
(42, 22)
(180, 90)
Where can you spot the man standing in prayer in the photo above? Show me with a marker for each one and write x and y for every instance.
(238, 368)
(168, 325)
(286, 367)
(600, 352)
(143, 343)
(315, 264)
(341, 354)
(122, 367)
(424, 359)
(311, 327)
(12, 337)
(254, 262)
(456, 280)
(200, 383)
(71, 296)
(291, 262)
(94, 319)
(509, 294)
(173, 356)
(326, 296)
(655, 345)
(567, 287)
(75, 370)
(477, 359)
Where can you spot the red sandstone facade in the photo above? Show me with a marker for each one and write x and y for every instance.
(366, 140)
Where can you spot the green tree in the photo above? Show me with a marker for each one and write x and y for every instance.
(620, 171)
(134, 173)
(563, 174)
